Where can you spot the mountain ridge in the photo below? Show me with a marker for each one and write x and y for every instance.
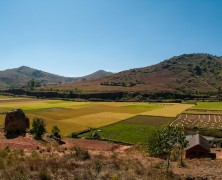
(19, 77)
(187, 73)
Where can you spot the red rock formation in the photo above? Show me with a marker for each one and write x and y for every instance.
(16, 123)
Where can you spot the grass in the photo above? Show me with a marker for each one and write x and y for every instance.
(66, 128)
(208, 105)
(77, 163)
(72, 116)
(134, 130)
(38, 104)
(99, 119)
(2, 118)
(144, 106)
(203, 112)
(123, 132)
(149, 120)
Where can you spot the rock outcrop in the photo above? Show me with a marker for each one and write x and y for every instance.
(16, 123)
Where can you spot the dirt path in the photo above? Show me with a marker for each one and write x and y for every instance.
(95, 145)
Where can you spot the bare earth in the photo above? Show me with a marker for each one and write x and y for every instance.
(26, 143)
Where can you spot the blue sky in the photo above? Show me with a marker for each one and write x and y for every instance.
(78, 37)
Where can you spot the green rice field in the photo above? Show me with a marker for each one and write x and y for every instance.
(208, 105)
(134, 130)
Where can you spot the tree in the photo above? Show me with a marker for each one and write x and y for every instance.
(182, 144)
(198, 70)
(163, 140)
(33, 83)
(38, 127)
(56, 132)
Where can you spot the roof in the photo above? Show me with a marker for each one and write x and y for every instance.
(198, 140)
(209, 138)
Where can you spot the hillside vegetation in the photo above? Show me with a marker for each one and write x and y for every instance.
(188, 73)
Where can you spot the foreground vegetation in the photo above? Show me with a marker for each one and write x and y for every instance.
(76, 163)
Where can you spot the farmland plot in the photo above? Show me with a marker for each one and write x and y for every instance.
(208, 105)
(134, 130)
(72, 116)
(171, 110)
(199, 120)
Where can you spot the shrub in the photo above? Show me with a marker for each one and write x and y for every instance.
(81, 153)
(38, 127)
(97, 166)
(96, 136)
(44, 174)
(73, 135)
(56, 132)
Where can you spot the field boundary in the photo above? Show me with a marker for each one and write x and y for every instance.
(112, 141)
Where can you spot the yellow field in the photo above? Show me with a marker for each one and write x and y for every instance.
(168, 111)
(72, 116)
(2, 117)
(99, 119)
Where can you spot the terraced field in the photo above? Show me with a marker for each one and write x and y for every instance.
(207, 115)
(199, 120)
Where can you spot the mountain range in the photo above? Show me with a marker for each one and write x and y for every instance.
(188, 73)
(18, 77)
(184, 74)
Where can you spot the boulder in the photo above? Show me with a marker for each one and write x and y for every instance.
(16, 123)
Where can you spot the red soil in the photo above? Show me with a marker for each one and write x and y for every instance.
(18, 143)
(94, 145)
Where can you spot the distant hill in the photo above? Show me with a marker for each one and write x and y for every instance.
(188, 73)
(97, 75)
(19, 77)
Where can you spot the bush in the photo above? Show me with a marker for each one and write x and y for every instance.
(96, 136)
(81, 153)
(38, 127)
(73, 135)
(56, 132)
(44, 174)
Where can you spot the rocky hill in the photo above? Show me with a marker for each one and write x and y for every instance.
(188, 73)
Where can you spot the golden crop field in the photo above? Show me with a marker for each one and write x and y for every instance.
(99, 119)
(172, 110)
(72, 116)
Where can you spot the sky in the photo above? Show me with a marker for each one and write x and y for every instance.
(77, 37)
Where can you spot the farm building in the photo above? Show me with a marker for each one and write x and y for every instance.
(198, 147)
